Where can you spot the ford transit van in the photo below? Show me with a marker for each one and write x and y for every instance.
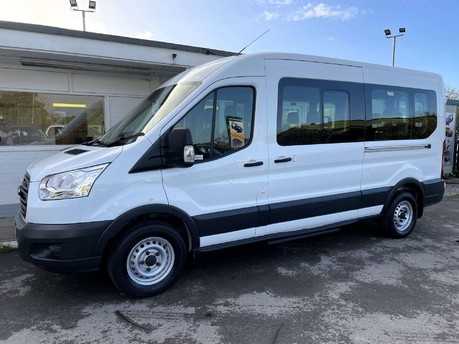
(246, 148)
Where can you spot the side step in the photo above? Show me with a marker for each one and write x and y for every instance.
(303, 236)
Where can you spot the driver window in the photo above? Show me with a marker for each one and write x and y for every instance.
(221, 123)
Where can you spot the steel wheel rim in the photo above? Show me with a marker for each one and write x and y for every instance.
(150, 261)
(403, 216)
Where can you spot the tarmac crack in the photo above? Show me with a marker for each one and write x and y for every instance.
(131, 321)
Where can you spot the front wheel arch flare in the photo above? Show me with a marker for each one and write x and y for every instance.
(131, 217)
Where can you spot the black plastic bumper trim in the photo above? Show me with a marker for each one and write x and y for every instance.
(434, 191)
(60, 247)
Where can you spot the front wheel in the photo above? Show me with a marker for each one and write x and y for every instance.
(147, 260)
(400, 218)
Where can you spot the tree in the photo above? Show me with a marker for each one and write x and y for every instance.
(451, 93)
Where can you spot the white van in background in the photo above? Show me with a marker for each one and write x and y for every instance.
(247, 148)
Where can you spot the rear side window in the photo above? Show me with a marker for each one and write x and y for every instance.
(424, 120)
(397, 113)
(390, 119)
(221, 123)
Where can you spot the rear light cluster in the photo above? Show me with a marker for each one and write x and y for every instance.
(443, 160)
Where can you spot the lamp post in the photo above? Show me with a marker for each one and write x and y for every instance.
(387, 32)
(91, 6)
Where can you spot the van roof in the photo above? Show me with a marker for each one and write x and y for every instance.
(252, 65)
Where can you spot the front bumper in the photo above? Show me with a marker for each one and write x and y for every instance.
(64, 248)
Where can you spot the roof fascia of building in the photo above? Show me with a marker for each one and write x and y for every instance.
(49, 30)
(51, 47)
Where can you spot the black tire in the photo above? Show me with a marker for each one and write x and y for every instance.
(401, 215)
(155, 253)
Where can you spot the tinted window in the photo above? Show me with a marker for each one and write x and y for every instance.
(389, 117)
(317, 111)
(336, 111)
(396, 113)
(424, 121)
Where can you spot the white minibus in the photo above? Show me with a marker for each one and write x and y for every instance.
(247, 148)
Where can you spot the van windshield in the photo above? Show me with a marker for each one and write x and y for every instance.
(145, 116)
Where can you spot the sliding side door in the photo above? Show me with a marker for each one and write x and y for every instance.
(315, 135)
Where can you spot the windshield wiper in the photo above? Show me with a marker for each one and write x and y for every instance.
(123, 138)
(95, 142)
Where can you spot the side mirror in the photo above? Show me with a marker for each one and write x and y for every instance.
(180, 152)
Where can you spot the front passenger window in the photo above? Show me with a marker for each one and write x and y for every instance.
(221, 123)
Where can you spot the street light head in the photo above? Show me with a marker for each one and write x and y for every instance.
(401, 31)
(73, 3)
(92, 5)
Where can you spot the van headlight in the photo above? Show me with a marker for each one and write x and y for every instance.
(71, 184)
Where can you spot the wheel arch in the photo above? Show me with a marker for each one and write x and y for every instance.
(175, 217)
(411, 185)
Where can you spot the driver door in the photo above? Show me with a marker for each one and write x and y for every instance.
(227, 183)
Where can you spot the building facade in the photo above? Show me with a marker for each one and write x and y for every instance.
(62, 87)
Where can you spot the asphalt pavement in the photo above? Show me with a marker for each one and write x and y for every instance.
(353, 286)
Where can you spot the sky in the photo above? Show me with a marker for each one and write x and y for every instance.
(348, 29)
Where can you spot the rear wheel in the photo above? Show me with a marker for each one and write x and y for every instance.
(147, 260)
(400, 218)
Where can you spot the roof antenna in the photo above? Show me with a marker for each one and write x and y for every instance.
(256, 39)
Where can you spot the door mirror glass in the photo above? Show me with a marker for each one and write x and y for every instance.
(188, 154)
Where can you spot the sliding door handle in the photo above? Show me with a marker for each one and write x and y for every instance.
(282, 159)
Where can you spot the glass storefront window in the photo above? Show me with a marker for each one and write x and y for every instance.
(49, 119)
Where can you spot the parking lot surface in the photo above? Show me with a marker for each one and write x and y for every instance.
(353, 286)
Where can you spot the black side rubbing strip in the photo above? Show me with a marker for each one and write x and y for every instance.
(296, 210)
(226, 221)
(229, 221)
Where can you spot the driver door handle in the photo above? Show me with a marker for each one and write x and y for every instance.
(253, 163)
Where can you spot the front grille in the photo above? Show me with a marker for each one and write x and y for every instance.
(23, 192)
